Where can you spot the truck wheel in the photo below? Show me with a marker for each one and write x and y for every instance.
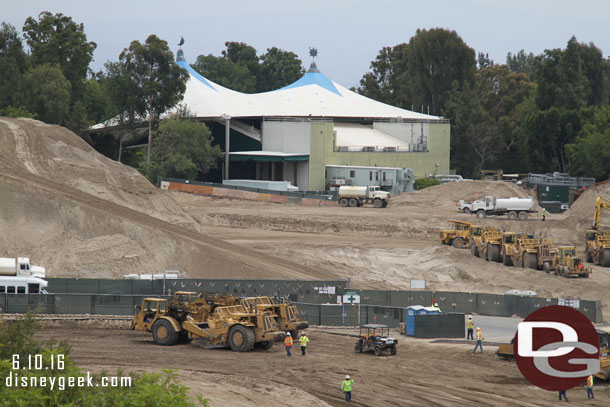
(343, 202)
(589, 256)
(466, 210)
(507, 260)
(493, 253)
(378, 203)
(512, 215)
(163, 333)
(604, 258)
(458, 242)
(474, 250)
(546, 267)
(481, 214)
(241, 338)
(523, 215)
(532, 261)
(353, 202)
(393, 350)
(358, 348)
(377, 350)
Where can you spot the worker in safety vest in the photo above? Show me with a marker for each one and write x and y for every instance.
(288, 343)
(470, 328)
(479, 340)
(543, 214)
(435, 306)
(303, 341)
(590, 388)
(346, 386)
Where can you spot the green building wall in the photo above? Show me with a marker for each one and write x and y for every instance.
(323, 153)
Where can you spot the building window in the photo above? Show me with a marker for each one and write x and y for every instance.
(371, 176)
(376, 176)
(10, 290)
(352, 174)
(384, 175)
(20, 290)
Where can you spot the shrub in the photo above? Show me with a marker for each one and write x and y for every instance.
(422, 183)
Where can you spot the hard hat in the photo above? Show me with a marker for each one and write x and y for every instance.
(288, 333)
(478, 328)
(469, 317)
(347, 376)
(436, 304)
(302, 333)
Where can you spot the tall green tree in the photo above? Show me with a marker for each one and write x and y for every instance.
(277, 69)
(590, 153)
(12, 65)
(521, 63)
(56, 39)
(226, 73)
(436, 59)
(182, 149)
(160, 82)
(46, 93)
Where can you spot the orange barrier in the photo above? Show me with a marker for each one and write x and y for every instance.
(239, 194)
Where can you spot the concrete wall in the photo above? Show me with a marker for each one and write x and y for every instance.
(286, 136)
(322, 140)
(302, 180)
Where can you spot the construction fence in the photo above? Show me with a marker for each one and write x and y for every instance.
(319, 300)
(310, 198)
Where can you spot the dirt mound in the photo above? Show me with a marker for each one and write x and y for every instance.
(82, 215)
(582, 209)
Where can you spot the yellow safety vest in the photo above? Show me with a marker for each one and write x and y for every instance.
(479, 335)
(303, 340)
(347, 385)
(470, 324)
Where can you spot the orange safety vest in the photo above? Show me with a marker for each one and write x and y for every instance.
(590, 381)
(288, 341)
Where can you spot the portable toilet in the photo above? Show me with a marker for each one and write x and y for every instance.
(410, 313)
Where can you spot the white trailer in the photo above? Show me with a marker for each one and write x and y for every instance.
(515, 208)
(358, 196)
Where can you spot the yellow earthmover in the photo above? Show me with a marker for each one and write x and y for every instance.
(487, 245)
(212, 326)
(459, 236)
(567, 264)
(286, 315)
(597, 242)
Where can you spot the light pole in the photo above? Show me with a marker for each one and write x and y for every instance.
(227, 141)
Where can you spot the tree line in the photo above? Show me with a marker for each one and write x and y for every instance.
(533, 113)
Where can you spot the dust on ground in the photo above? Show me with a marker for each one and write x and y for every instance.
(420, 374)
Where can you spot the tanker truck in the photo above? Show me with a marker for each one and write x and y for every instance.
(515, 208)
(20, 267)
(358, 196)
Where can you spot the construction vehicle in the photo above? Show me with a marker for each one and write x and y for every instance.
(506, 351)
(20, 267)
(598, 243)
(376, 338)
(487, 245)
(565, 263)
(286, 315)
(212, 326)
(358, 196)
(476, 235)
(459, 236)
(526, 251)
(515, 208)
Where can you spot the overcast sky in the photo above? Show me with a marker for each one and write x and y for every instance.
(347, 33)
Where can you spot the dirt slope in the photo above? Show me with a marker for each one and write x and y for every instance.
(80, 214)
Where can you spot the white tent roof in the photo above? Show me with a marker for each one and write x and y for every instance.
(312, 95)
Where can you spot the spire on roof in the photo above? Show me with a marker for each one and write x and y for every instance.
(313, 52)
(180, 54)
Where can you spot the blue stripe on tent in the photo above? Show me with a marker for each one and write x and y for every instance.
(195, 74)
(314, 78)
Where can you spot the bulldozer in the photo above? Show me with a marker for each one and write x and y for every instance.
(286, 315)
(487, 244)
(565, 263)
(597, 242)
(459, 236)
(526, 251)
(213, 326)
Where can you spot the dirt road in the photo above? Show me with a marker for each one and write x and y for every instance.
(421, 374)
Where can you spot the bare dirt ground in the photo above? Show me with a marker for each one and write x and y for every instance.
(80, 214)
(421, 374)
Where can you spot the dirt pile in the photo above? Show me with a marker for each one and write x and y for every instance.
(80, 214)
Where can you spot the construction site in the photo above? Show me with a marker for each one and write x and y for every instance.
(84, 216)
